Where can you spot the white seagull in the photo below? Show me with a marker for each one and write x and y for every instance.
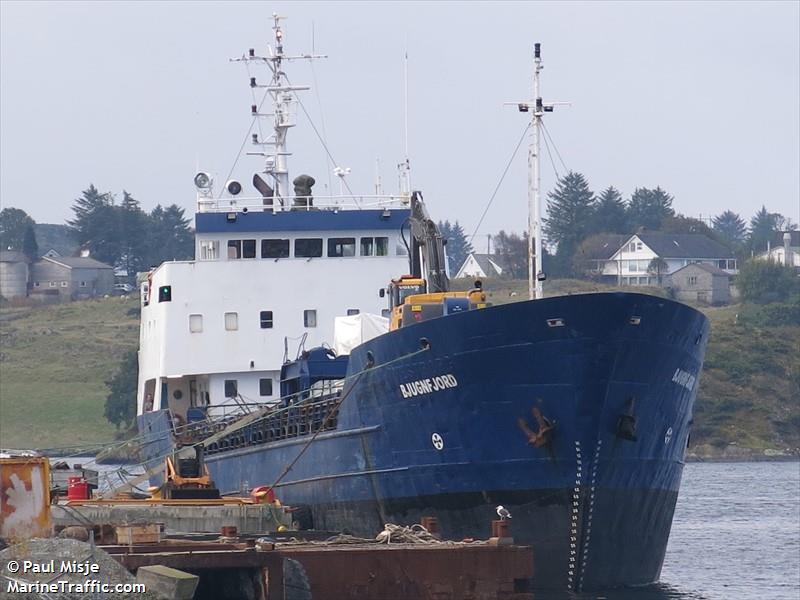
(503, 513)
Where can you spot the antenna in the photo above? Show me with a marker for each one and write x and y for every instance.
(404, 168)
(378, 185)
(283, 101)
(536, 274)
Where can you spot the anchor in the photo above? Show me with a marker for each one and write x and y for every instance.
(539, 438)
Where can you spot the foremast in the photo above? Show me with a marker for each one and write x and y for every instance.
(537, 108)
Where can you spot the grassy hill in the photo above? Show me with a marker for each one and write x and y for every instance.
(54, 361)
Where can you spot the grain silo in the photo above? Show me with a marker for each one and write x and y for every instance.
(13, 274)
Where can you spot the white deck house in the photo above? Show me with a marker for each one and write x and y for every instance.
(631, 263)
(264, 285)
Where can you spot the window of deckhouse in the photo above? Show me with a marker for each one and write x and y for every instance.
(341, 247)
(378, 246)
(274, 248)
(234, 248)
(265, 319)
(195, 323)
(231, 321)
(310, 318)
(265, 387)
(231, 388)
(308, 247)
(248, 248)
(209, 249)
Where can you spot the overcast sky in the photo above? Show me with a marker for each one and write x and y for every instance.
(702, 99)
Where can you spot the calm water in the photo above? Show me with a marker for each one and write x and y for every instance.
(736, 536)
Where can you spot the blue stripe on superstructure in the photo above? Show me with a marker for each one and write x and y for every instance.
(312, 220)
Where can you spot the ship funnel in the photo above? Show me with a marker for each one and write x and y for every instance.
(302, 191)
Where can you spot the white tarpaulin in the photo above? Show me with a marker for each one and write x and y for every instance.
(349, 332)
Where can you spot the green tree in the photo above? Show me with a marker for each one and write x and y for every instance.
(648, 208)
(168, 236)
(133, 224)
(762, 226)
(13, 224)
(763, 281)
(682, 224)
(609, 213)
(29, 245)
(458, 246)
(96, 225)
(120, 407)
(731, 228)
(511, 250)
(570, 208)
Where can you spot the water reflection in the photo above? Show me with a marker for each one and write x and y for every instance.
(661, 591)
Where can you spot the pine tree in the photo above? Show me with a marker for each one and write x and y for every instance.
(168, 236)
(133, 229)
(609, 213)
(570, 208)
(762, 226)
(458, 246)
(96, 225)
(14, 222)
(731, 228)
(30, 248)
(648, 208)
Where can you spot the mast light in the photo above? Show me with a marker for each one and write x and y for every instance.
(202, 181)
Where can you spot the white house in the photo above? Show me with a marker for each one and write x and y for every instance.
(480, 265)
(790, 248)
(631, 263)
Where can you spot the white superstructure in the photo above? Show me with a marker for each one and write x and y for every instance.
(271, 274)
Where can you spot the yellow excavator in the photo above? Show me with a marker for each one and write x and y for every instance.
(418, 297)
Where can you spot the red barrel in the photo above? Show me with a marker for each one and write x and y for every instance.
(77, 489)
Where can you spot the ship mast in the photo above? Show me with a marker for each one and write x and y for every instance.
(283, 101)
(536, 274)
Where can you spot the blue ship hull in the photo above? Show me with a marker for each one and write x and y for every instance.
(438, 433)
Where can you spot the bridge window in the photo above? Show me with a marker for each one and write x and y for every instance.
(378, 246)
(231, 388)
(234, 248)
(352, 311)
(341, 247)
(248, 248)
(310, 318)
(209, 249)
(265, 387)
(265, 318)
(195, 323)
(231, 321)
(308, 247)
(274, 248)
